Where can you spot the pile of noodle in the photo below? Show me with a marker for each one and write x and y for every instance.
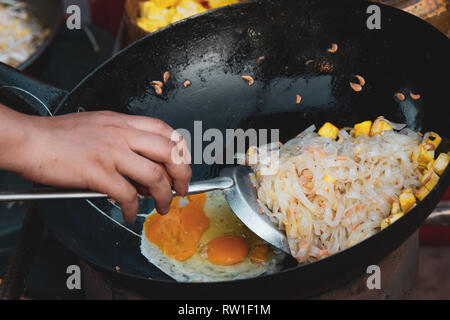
(322, 217)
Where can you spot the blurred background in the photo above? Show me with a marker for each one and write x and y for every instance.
(36, 41)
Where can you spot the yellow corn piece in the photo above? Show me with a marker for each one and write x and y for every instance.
(157, 14)
(430, 164)
(329, 179)
(421, 193)
(149, 9)
(328, 130)
(151, 25)
(430, 179)
(405, 191)
(154, 15)
(183, 13)
(384, 223)
(390, 220)
(164, 3)
(190, 7)
(362, 128)
(378, 126)
(395, 208)
(221, 3)
(407, 200)
(441, 163)
(395, 217)
(424, 156)
(433, 139)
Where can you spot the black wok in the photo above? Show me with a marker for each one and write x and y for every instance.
(213, 50)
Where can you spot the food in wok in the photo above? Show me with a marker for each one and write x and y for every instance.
(20, 33)
(335, 188)
(201, 239)
(331, 190)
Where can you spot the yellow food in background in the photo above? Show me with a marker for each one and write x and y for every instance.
(20, 33)
(221, 3)
(156, 14)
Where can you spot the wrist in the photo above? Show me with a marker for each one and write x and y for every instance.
(17, 132)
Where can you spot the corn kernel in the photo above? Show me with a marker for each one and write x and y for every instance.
(405, 191)
(164, 3)
(328, 130)
(221, 3)
(430, 164)
(329, 179)
(362, 128)
(421, 193)
(441, 163)
(395, 217)
(424, 156)
(384, 223)
(156, 14)
(378, 126)
(407, 200)
(148, 9)
(430, 179)
(390, 220)
(432, 138)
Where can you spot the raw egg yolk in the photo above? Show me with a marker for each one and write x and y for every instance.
(259, 253)
(178, 232)
(226, 250)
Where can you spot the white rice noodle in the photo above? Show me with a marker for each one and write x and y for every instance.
(321, 218)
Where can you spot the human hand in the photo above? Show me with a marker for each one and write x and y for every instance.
(97, 150)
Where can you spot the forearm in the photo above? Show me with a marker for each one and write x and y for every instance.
(15, 131)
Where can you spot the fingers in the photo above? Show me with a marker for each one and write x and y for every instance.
(119, 189)
(165, 151)
(142, 190)
(159, 127)
(150, 125)
(149, 175)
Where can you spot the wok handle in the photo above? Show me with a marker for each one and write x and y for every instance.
(220, 183)
(27, 95)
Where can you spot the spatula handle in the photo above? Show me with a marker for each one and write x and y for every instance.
(219, 183)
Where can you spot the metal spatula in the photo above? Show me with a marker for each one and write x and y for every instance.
(235, 182)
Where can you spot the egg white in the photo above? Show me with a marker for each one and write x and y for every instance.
(222, 222)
